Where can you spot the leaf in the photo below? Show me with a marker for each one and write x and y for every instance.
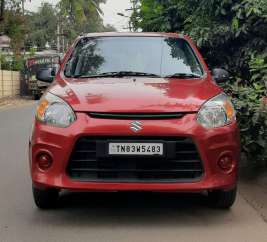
(235, 24)
(223, 11)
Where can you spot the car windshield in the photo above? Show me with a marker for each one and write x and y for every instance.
(133, 56)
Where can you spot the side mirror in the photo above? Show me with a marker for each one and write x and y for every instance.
(220, 75)
(46, 75)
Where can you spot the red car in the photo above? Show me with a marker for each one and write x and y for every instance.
(134, 112)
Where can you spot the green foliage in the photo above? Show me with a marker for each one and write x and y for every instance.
(4, 62)
(252, 117)
(215, 25)
(39, 28)
(78, 10)
(258, 69)
(232, 35)
(81, 16)
(42, 27)
(11, 62)
(73, 18)
(14, 25)
(252, 111)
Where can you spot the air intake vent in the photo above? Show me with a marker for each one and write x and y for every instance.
(181, 164)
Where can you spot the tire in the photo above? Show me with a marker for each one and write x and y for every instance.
(222, 199)
(45, 199)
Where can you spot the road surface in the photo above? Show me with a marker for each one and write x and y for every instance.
(118, 217)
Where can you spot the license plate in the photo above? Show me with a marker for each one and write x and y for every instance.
(149, 149)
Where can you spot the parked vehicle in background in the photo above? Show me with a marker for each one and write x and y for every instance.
(35, 87)
(134, 112)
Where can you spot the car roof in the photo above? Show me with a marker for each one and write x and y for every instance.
(132, 34)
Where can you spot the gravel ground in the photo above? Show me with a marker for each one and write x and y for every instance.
(253, 188)
(10, 102)
(118, 217)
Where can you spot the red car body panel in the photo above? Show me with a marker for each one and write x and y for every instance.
(144, 95)
(156, 95)
(60, 142)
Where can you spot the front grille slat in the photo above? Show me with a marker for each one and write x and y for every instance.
(181, 166)
(173, 161)
(138, 116)
(86, 151)
(136, 170)
(84, 160)
(187, 152)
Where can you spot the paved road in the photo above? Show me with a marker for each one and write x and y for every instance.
(110, 217)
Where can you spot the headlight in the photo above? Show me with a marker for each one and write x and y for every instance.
(53, 111)
(217, 112)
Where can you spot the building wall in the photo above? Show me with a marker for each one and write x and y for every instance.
(9, 83)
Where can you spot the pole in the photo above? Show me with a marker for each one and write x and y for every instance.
(63, 40)
(23, 8)
(58, 36)
(12, 85)
(2, 79)
(133, 9)
(23, 15)
(2, 74)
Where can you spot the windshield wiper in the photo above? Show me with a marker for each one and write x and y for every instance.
(183, 75)
(119, 74)
(128, 73)
(134, 73)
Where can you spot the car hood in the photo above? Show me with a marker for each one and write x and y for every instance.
(122, 95)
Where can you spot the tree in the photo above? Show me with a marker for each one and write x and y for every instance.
(215, 25)
(30, 29)
(39, 28)
(69, 17)
(231, 34)
(42, 27)
(78, 10)
(14, 25)
(81, 16)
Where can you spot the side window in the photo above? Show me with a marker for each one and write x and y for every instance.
(90, 59)
(178, 57)
(85, 58)
(174, 58)
(192, 60)
(71, 65)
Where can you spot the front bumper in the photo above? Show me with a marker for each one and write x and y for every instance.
(59, 143)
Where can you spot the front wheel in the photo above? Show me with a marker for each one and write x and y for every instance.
(222, 199)
(45, 199)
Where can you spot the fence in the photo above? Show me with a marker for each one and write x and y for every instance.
(9, 83)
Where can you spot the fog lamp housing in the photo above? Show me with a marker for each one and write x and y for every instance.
(226, 163)
(44, 161)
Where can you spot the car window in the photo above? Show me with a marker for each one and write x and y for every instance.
(156, 55)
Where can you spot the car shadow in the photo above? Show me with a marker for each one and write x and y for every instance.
(130, 201)
(134, 209)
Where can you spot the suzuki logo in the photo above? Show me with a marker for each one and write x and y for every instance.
(136, 126)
